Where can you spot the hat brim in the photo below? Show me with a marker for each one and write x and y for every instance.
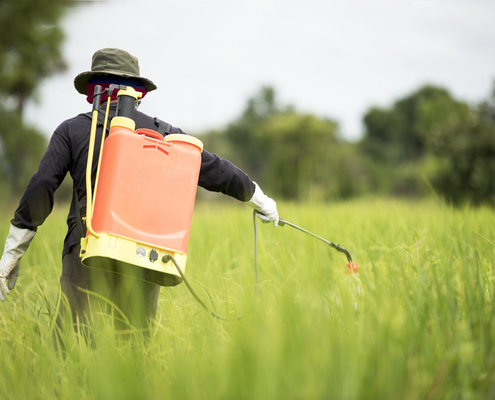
(81, 80)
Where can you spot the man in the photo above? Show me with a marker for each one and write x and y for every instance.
(67, 152)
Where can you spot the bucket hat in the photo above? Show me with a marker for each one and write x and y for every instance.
(112, 62)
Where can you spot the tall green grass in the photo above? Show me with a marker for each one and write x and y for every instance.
(416, 324)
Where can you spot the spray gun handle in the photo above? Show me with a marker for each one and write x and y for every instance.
(98, 93)
(112, 87)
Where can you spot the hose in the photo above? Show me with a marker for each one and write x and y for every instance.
(195, 295)
(281, 223)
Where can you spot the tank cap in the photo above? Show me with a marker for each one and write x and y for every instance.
(129, 91)
(179, 137)
(123, 122)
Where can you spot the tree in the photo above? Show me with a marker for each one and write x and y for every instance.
(463, 139)
(294, 154)
(382, 138)
(431, 132)
(242, 133)
(394, 136)
(300, 155)
(21, 150)
(30, 51)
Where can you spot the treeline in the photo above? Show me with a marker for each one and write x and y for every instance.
(426, 143)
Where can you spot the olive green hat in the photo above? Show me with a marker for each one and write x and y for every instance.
(112, 62)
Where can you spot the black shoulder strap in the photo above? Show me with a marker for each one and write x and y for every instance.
(162, 127)
(101, 119)
(80, 214)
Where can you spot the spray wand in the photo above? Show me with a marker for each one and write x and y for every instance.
(352, 266)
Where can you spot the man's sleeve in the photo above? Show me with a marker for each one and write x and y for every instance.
(220, 175)
(37, 201)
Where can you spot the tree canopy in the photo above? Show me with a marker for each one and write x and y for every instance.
(446, 140)
(286, 150)
(30, 51)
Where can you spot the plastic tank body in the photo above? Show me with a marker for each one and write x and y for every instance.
(147, 188)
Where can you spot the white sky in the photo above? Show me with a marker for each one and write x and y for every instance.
(331, 58)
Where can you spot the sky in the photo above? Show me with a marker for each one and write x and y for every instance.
(334, 59)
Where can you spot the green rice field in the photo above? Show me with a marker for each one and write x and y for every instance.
(417, 323)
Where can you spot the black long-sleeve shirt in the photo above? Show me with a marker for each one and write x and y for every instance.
(67, 152)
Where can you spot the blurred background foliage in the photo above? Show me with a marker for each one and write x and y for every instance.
(425, 143)
(30, 50)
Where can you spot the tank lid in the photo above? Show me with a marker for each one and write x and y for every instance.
(179, 137)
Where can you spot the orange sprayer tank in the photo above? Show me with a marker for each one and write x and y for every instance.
(144, 203)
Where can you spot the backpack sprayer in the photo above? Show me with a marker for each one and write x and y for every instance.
(138, 218)
(139, 215)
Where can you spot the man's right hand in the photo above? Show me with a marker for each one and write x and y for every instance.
(264, 205)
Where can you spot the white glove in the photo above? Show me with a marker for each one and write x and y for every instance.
(266, 207)
(16, 245)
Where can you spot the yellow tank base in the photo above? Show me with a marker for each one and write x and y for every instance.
(128, 257)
